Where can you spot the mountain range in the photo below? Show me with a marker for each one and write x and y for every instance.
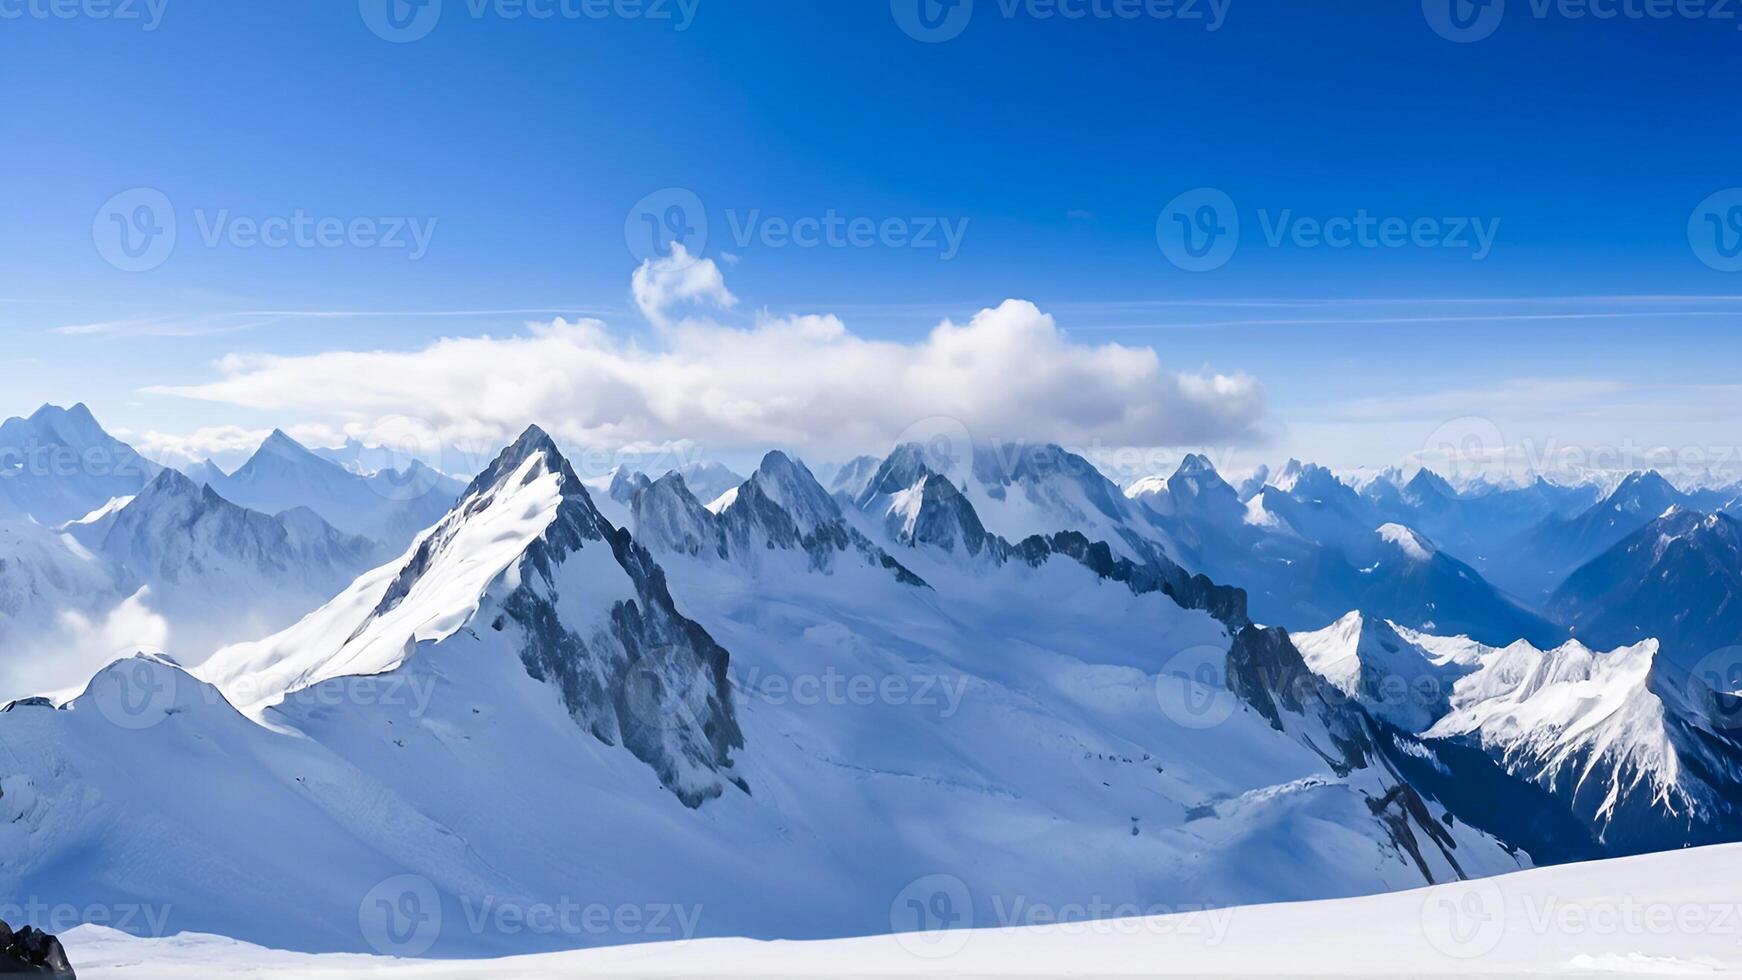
(990, 676)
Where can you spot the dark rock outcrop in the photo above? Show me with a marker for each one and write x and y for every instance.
(32, 952)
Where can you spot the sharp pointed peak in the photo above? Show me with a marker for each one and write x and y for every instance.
(170, 480)
(1196, 463)
(279, 444)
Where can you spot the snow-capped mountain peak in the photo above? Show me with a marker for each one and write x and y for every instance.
(524, 568)
(59, 465)
(789, 483)
(1413, 545)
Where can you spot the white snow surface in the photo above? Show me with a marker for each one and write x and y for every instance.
(1667, 914)
(1408, 541)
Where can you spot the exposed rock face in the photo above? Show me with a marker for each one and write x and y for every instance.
(643, 676)
(32, 952)
(780, 508)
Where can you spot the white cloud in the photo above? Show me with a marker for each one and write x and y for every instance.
(57, 659)
(659, 284)
(805, 381)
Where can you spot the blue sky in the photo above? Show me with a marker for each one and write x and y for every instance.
(1050, 145)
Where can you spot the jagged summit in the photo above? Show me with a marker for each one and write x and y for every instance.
(1426, 482)
(780, 512)
(789, 483)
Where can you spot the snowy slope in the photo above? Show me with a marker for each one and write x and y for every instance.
(1661, 914)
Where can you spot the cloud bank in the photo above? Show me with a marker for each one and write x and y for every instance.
(803, 381)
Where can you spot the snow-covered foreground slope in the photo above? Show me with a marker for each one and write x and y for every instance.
(1670, 914)
(526, 713)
